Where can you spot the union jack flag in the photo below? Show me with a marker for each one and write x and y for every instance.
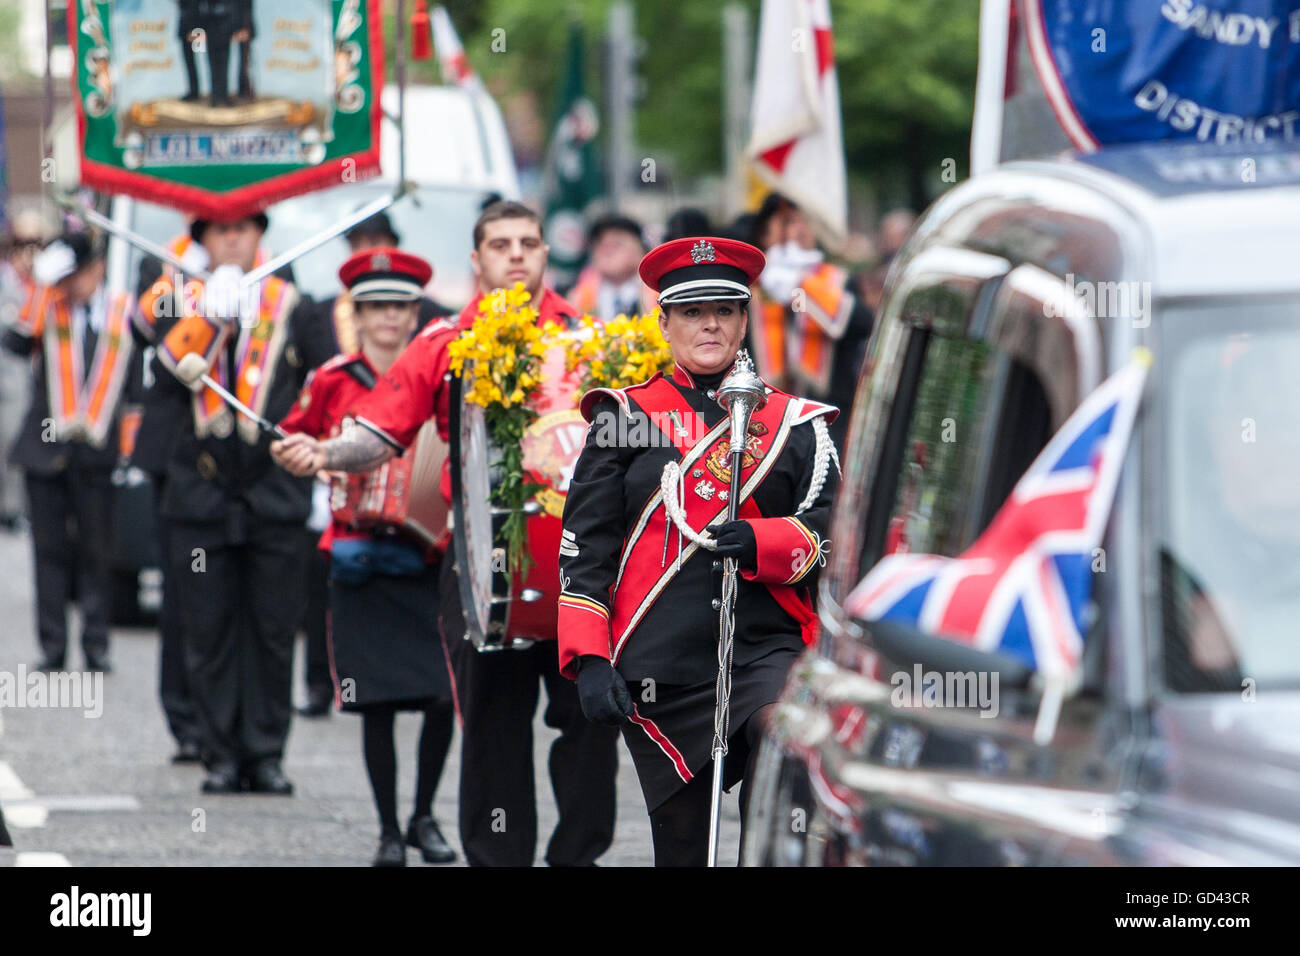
(1023, 587)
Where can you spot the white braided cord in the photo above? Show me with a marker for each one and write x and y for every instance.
(825, 454)
(672, 489)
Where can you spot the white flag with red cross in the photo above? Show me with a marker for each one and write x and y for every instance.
(796, 143)
(452, 60)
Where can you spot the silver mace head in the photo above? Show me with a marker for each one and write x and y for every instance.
(740, 393)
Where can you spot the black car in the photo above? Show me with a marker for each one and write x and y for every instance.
(1018, 293)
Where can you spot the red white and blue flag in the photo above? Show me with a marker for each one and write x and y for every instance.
(1022, 589)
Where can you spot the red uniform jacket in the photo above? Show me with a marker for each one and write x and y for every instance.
(417, 387)
(626, 595)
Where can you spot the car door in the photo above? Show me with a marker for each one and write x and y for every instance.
(966, 390)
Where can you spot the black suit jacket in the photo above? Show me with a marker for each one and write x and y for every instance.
(30, 451)
(163, 419)
(209, 479)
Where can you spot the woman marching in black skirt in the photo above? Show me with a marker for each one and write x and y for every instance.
(385, 648)
(637, 625)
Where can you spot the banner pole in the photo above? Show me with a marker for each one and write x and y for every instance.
(307, 245)
(97, 218)
(990, 86)
(401, 94)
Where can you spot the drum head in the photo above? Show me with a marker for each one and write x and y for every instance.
(484, 589)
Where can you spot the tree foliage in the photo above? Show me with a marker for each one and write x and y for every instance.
(906, 71)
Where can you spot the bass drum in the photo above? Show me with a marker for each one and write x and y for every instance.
(501, 613)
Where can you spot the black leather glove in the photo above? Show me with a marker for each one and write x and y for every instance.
(736, 540)
(602, 691)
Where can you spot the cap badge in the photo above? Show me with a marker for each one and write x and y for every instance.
(380, 261)
(702, 251)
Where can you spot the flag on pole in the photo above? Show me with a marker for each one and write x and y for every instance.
(1023, 588)
(572, 170)
(453, 62)
(796, 144)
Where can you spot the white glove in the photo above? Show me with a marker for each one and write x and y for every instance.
(195, 259)
(787, 264)
(56, 261)
(221, 293)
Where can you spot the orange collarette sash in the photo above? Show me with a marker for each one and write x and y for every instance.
(82, 405)
(257, 352)
(191, 292)
(644, 568)
(803, 340)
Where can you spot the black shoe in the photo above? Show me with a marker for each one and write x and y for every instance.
(49, 665)
(390, 852)
(267, 777)
(191, 98)
(220, 102)
(424, 835)
(222, 779)
(187, 752)
(99, 662)
(316, 707)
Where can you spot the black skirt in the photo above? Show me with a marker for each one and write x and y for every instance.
(671, 737)
(384, 642)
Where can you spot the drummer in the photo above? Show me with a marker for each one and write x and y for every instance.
(497, 693)
(637, 625)
(383, 592)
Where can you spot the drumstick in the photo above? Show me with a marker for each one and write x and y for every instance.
(192, 368)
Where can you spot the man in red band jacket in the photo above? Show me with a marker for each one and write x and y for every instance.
(497, 693)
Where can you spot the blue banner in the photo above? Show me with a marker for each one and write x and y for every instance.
(1212, 71)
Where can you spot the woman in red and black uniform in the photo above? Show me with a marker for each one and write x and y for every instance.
(385, 648)
(637, 626)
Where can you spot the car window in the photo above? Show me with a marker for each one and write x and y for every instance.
(1227, 400)
(975, 420)
(941, 448)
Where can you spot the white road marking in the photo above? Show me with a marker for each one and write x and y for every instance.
(80, 802)
(11, 788)
(33, 858)
(24, 815)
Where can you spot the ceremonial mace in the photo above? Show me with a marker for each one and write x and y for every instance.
(741, 393)
(193, 369)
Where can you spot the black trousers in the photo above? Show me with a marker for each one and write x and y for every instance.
(191, 67)
(241, 598)
(320, 685)
(497, 694)
(173, 683)
(245, 75)
(71, 517)
(218, 45)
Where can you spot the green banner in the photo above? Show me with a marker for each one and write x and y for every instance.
(221, 107)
